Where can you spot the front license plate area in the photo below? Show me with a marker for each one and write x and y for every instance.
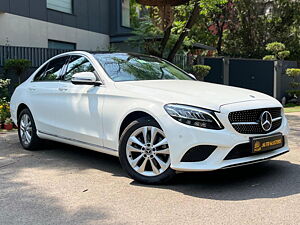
(266, 143)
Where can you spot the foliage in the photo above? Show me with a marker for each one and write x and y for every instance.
(181, 35)
(254, 27)
(17, 66)
(201, 71)
(4, 110)
(278, 50)
(217, 20)
(238, 28)
(8, 121)
(4, 104)
(275, 47)
(4, 88)
(295, 75)
(283, 55)
(269, 57)
(293, 72)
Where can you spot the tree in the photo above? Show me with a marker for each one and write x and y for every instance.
(283, 25)
(185, 19)
(257, 23)
(246, 35)
(218, 20)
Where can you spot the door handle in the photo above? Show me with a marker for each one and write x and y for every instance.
(62, 89)
(32, 89)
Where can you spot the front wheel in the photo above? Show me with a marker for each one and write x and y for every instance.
(144, 152)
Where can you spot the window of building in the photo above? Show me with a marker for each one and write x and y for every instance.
(77, 64)
(65, 6)
(126, 13)
(61, 45)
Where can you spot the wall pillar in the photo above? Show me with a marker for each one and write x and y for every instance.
(226, 63)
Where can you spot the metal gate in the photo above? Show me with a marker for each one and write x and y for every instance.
(256, 75)
(216, 74)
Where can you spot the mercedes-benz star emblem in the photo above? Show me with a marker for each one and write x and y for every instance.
(266, 121)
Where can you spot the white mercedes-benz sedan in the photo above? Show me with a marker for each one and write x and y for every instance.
(154, 116)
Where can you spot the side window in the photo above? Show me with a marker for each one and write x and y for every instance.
(54, 69)
(77, 64)
(40, 73)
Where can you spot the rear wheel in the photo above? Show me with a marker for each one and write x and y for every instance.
(27, 131)
(144, 152)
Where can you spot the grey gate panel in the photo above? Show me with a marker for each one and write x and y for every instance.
(256, 75)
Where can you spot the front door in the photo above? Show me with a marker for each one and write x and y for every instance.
(80, 106)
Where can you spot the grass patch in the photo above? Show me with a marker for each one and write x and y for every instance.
(290, 108)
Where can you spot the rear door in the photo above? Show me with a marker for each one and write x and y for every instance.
(44, 94)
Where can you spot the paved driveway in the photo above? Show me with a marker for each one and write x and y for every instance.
(67, 185)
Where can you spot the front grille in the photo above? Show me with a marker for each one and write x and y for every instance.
(248, 121)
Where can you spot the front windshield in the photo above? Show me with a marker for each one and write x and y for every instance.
(130, 67)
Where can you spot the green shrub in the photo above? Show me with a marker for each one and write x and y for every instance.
(278, 51)
(283, 54)
(275, 47)
(295, 85)
(201, 71)
(293, 72)
(294, 92)
(17, 66)
(269, 57)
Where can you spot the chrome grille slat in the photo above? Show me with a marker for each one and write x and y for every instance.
(248, 121)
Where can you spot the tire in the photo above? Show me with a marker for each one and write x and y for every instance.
(26, 126)
(146, 158)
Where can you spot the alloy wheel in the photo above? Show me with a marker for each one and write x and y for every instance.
(147, 151)
(25, 129)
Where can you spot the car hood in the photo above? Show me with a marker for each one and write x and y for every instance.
(196, 93)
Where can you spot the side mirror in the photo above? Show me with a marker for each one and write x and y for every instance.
(192, 76)
(88, 78)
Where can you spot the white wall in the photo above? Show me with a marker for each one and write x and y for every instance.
(22, 31)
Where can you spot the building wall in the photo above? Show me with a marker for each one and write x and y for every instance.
(24, 31)
(91, 15)
(92, 25)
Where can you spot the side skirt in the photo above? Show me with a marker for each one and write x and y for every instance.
(75, 142)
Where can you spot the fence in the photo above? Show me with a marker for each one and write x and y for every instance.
(37, 56)
(264, 76)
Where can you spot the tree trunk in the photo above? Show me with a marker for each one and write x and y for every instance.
(185, 32)
(220, 38)
(164, 41)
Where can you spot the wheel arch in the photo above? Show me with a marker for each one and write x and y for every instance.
(132, 116)
(20, 108)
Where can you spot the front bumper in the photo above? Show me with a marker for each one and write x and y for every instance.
(182, 137)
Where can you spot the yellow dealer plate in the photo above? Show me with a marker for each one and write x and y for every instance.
(266, 143)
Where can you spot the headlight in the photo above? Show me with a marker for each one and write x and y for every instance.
(193, 116)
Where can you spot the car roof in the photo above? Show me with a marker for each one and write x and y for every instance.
(107, 52)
